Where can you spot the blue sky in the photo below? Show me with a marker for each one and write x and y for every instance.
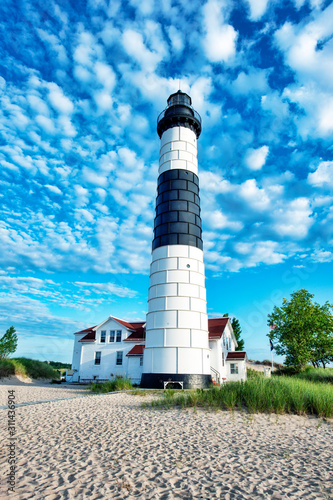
(81, 86)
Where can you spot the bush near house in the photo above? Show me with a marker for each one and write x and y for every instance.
(27, 368)
(118, 384)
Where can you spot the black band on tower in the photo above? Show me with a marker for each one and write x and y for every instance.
(177, 220)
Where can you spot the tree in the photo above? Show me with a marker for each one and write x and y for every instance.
(237, 332)
(302, 330)
(8, 343)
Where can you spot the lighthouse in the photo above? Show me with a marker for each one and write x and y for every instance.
(177, 350)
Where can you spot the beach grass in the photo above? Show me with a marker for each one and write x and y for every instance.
(258, 395)
(118, 384)
(27, 368)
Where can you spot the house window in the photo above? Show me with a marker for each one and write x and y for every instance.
(118, 338)
(98, 357)
(141, 360)
(222, 359)
(112, 335)
(103, 336)
(234, 368)
(119, 358)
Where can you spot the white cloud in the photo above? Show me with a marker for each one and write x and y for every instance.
(94, 178)
(176, 39)
(255, 159)
(217, 220)
(55, 45)
(145, 7)
(38, 105)
(266, 252)
(322, 256)
(255, 80)
(105, 75)
(308, 50)
(106, 289)
(134, 45)
(323, 175)
(256, 197)
(104, 101)
(293, 219)
(59, 101)
(87, 50)
(220, 38)
(46, 124)
(257, 8)
(53, 189)
(214, 183)
(82, 195)
(66, 126)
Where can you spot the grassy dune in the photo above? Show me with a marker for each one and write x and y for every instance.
(265, 395)
(27, 368)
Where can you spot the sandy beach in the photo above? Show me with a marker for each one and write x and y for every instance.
(108, 446)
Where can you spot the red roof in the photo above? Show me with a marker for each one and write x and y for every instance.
(240, 355)
(124, 323)
(137, 350)
(137, 328)
(91, 335)
(139, 334)
(86, 330)
(216, 327)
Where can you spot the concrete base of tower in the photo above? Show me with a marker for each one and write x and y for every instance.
(175, 381)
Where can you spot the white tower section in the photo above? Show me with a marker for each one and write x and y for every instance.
(177, 346)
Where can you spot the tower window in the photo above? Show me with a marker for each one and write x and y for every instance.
(98, 357)
(119, 360)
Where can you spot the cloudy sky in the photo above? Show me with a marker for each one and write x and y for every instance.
(81, 86)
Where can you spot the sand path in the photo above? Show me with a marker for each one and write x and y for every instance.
(108, 447)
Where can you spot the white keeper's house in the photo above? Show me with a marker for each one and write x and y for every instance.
(116, 348)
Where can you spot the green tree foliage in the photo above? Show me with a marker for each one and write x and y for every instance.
(8, 343)
(302, 330)
(237, 332)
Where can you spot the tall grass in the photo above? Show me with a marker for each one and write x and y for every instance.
(27, 368)
(268, 395)
(118, 384)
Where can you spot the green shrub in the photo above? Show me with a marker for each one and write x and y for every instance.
(7, 368)
(118, 384)
(251, 373)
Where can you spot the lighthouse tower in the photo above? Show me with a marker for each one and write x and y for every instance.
(177, 347)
